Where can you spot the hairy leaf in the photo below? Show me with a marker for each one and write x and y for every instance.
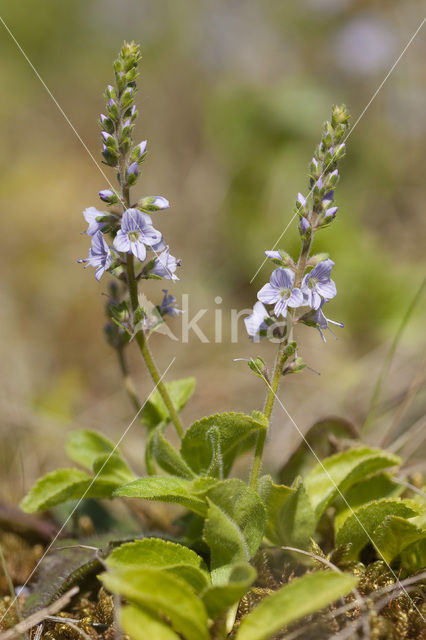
(358, 529)
(395, 534)
(164, 489)
(290, 519)
(318, 439)
(158, 553)
(159, 449)
(140, 624)
(337, 474)
(234, 526)
(112, 467)
(211, 444)
(374, 488)
(162, 594)
(65, 484)
(155, 411)
(218, 598)
(84, 446)
(294, 601)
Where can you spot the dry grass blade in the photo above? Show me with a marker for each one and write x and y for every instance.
(39, 616)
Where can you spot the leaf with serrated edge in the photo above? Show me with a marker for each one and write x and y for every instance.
(394, 535)
(359, 528)
(62, 485)
(295, 600)
(163, 489)
(163, 594)
(158, 553)
(234, 428)
(234, 526)
(338, 473)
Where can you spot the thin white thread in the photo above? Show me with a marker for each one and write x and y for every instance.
(343, 497)
(348, 134)
(73, 129)
(88, 488)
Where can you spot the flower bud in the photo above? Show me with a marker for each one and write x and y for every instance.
(109, 140)
(132, 173)
(108, 196)
(109, 156)
(153, 203)
(106, 124)
(305, 226)
(139, 152)
(110, 92)
(339, 115)
(127, 98)
(333, 179)
(113, 109)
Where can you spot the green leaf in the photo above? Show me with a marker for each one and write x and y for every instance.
(413, 558)
(290, 519)
(84, 446)
(155, 411)
(112, 467)
(162, 594)
(65, 484)
(218, 598)
(159, 449)
(211, 444)
(359, 528)
(318, 439)
(374, 488)
(164, 489)
(295, 600)
(394, 535)
(339, 472)
(140, 624)
(234, 526)
(158, 553)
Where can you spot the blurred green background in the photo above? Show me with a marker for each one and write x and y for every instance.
(232, 96)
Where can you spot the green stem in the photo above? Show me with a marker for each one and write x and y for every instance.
(278, 369)
(145, 351)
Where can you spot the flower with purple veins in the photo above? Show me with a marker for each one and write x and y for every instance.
(100, 256)
(279, 291)
(317, 285)
(165, 266)
(90, 214)
(136, 232)
(256, 322)
(318, 320)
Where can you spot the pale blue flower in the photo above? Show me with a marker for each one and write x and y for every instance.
(317, 285)
(165, 266)
(256, 322)
(168, 305)
(90, 214)
(279, 291)
(136, 233)
(317, 319)
(100, 256)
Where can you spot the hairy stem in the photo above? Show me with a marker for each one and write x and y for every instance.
(145, 351)
(279, 365)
